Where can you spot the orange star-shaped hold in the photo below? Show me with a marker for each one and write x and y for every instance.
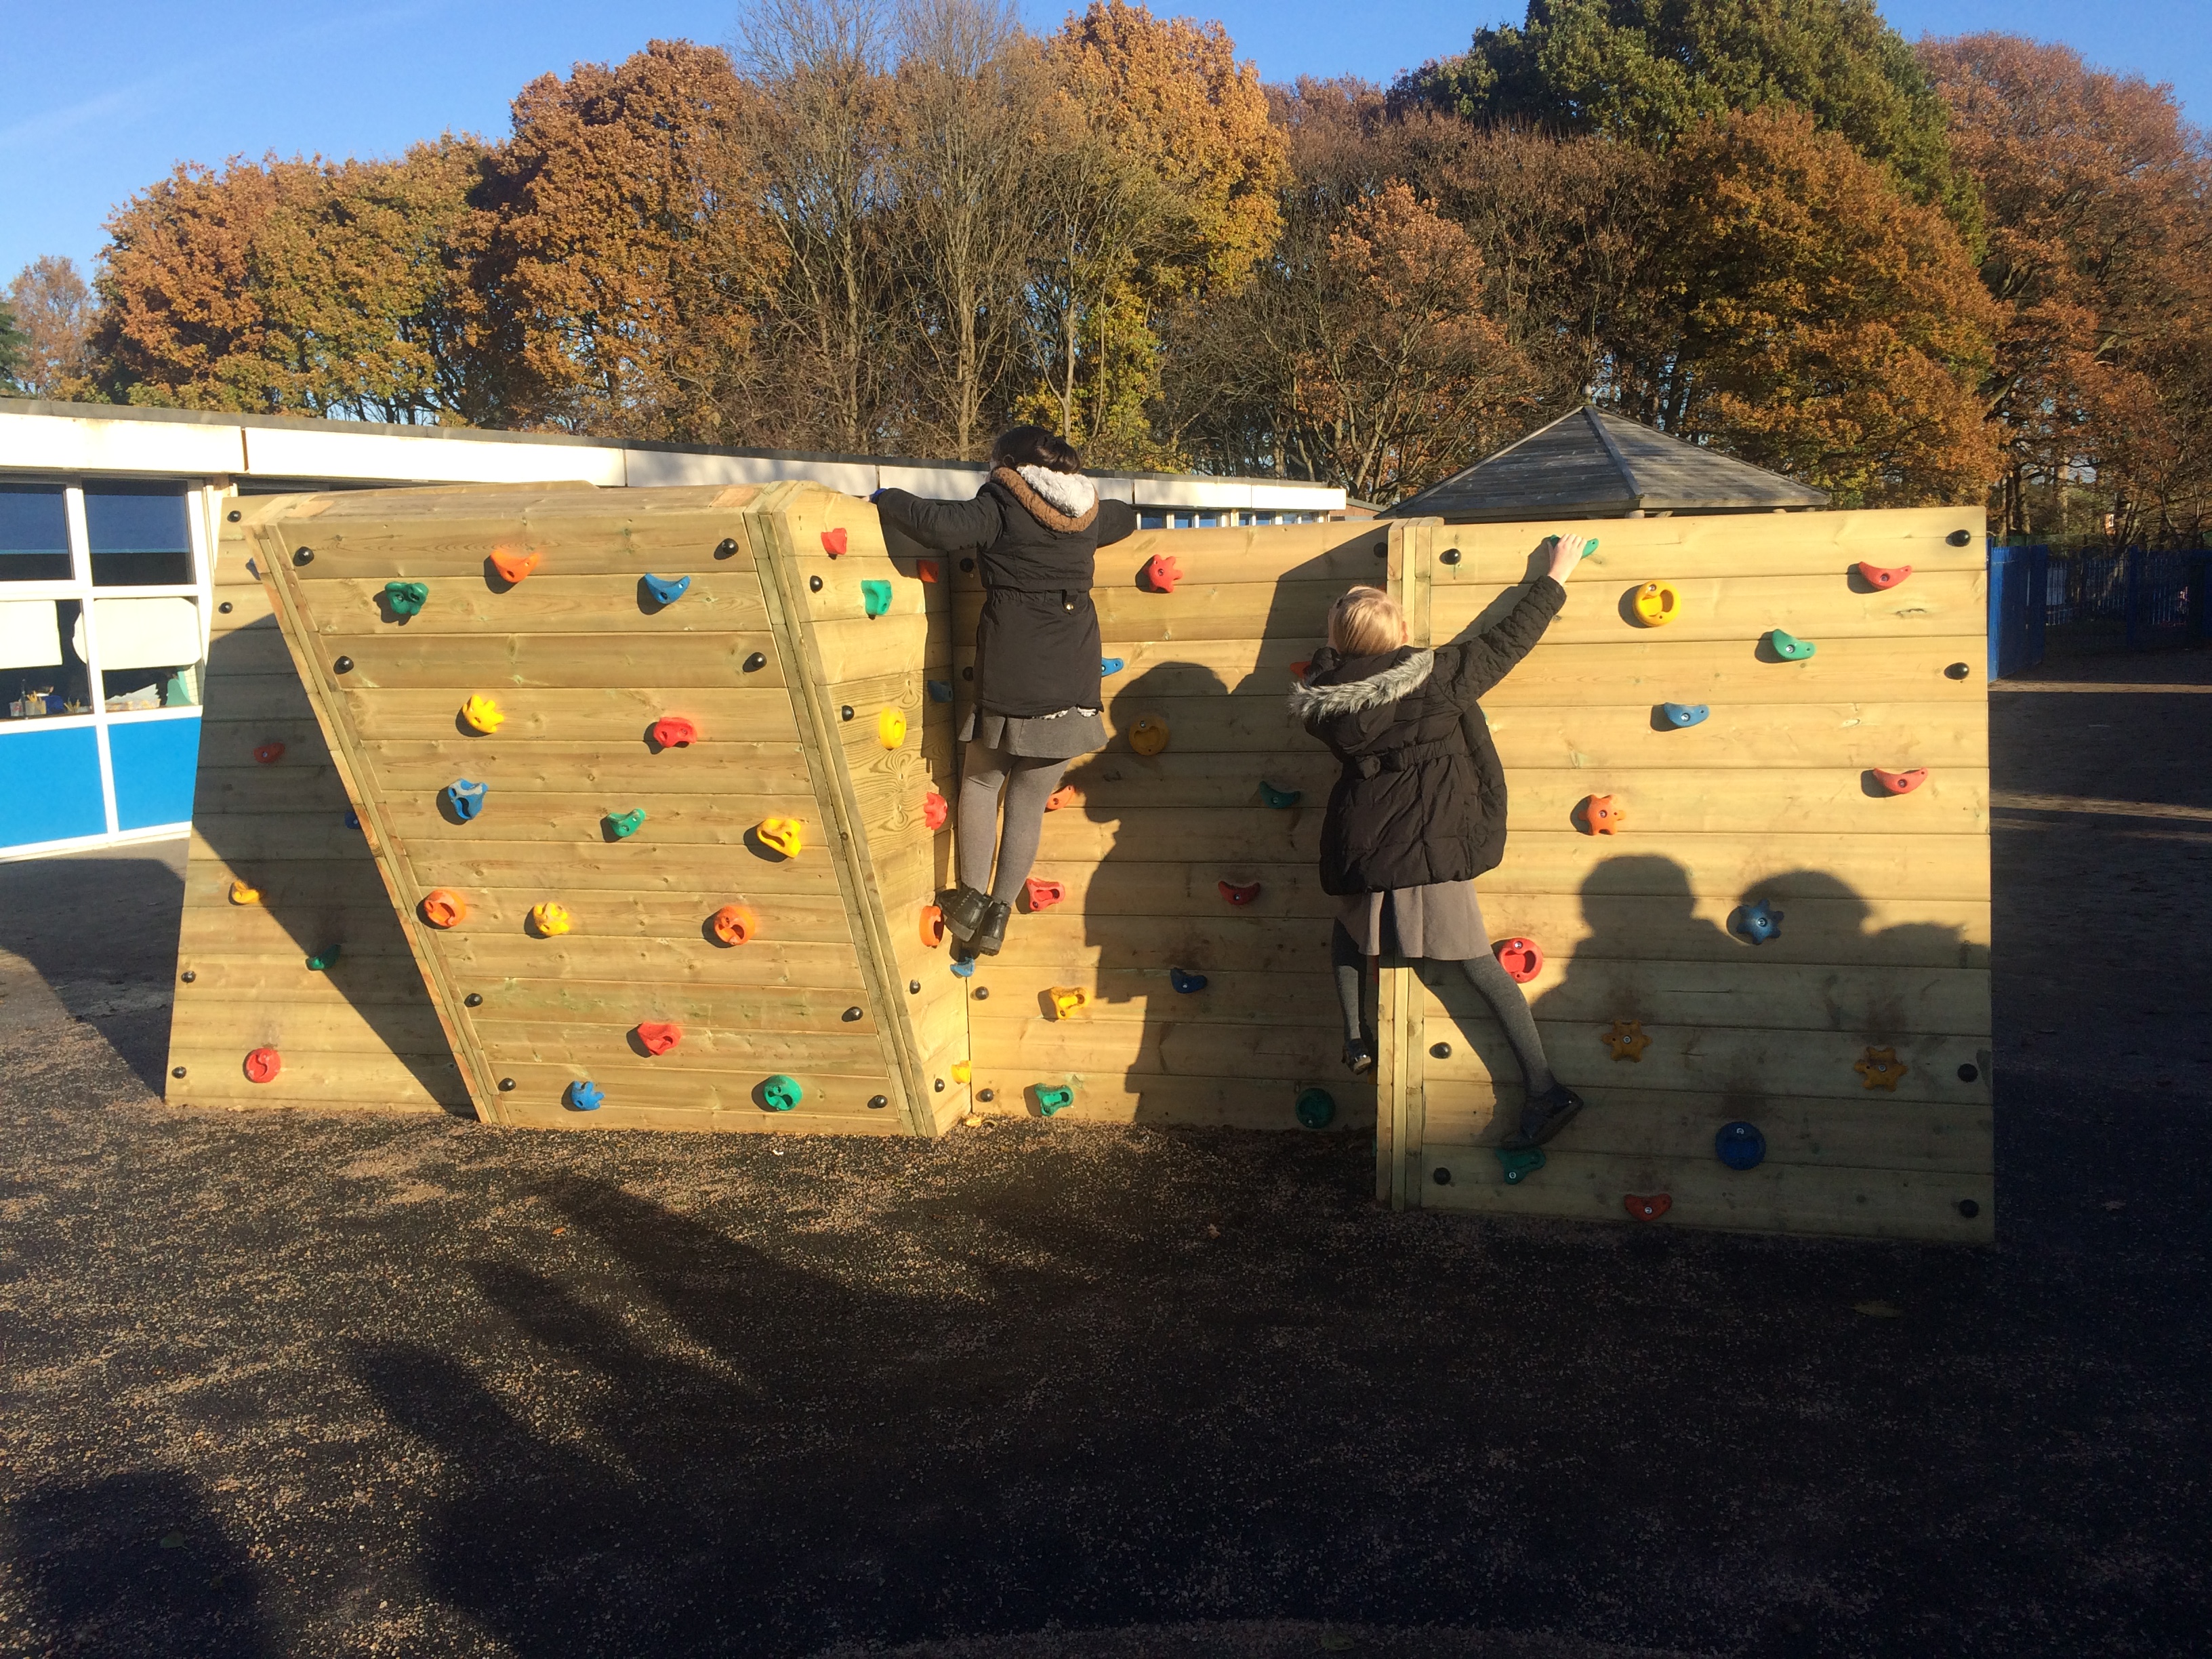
(1628, 1041)
(1882, 1068)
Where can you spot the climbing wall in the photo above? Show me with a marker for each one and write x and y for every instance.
(573, 732)
(1764, 935)
(1190, 941)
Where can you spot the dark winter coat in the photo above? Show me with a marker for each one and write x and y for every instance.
(1421, 797)
(1037, 645)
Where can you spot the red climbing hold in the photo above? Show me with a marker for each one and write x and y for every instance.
(1647, 1207)
(268, 754)
(1884, 575)
(442, 908)
(1043, 895)
(1067, 795)
(926, 569)
(734, 924)
(1520, 958)
(263, 1065)
(935, 809)
(673, 734)
(1162, 572)
(833, 542)
(1239, 896)
(932, 926)
(1901, 783)
(658, 1036)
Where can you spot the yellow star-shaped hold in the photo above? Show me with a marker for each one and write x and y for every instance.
(1882, 1068)
(1627, 1040)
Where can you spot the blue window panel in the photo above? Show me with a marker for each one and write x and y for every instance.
(139, 536)
(33, 534)
(1152, 521)
(50, 786)
(155, 762)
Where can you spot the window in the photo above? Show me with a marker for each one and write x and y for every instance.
(150, 653)
(34, 543)
(139, 535)
(42, 669)
(1152, 521)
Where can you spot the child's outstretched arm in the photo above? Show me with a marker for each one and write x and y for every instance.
(942, 526)
(1486, 657)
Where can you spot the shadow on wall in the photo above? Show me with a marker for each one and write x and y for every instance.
(46, 906)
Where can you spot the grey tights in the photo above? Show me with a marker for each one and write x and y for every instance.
(1498, 988)
(1027, 783)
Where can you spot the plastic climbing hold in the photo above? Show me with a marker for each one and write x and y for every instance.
(658, 1036)
(890, 728)
(1280, 799)
(1042, 894)
(1315, 1108)
(1161, 573)
(833, 542)
(1756, 922)
(623, 825)
(1603, 816)
(242, 893)
(442, 908)
(1520, 958)
(353, 819)
(1186, 982)
(875, 597)
(1149, 736)
(734, 924)
(962, 1070)
(1518, 1165)
(1880, 1069)
(1739, 1146)
(267, 754)
(1901, 783)
(1683, 714)
(672, 733)
(1627, 1040)
(940, 690)
(513, 567)
(1647, 1207)
(1656, 604)
(1068, 1001)
(406, 599)
(550, 920)
(926, 569)
(784, 835)
(1298, 669)
(1067, 795)
(935, 809)
(1238, 895)
(263, 1065)
(932, 926)
(1052, 1101)
(320, 962)
(481, 713)
(466, 799)
(1884, 575)
(780, 1093)
(964, 967)
(585, 1096)
(1111, 665)
(666, 590)
(1789, 648)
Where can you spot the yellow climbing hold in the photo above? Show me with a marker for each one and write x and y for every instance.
(962, 1070)
(241, 894)
(890, 728)
(1149, 735)
(1068, 1001)
(481, 713)
(784, 835)
(1656, 604)
(1882, 1068)
(548, 919)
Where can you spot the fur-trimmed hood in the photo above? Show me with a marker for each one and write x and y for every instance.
(1065, 502)
(1309, 702)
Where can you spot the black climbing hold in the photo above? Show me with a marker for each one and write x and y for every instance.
(846, 711)
(754, 663)
(725, 547)
(877, 1103)
(1960, 538)
(814, 584)
(189, 976)
(1967, 1073)
(235, 517)
(303, 556)
(1441, 1050)
(1381, 550)
(967, 566)
(474, 1000)
(982, 994)
(506, 1083)
(224, 607)
(851, 1014)
(1968, 1208)
(966, 673)
(342, 666)
(940, 1086)
(914, 988)
(1450, 556)
(1442, 1177)
(1957, 671)
(987, 1096)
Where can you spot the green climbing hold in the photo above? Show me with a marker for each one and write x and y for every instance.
(320, 962)
(1520, 1165)
(406, 599)
(1316, 1109)
(877, 597)
(1789, 648)
(1050, 1101)
(623, 825)
(780, 1093)
(1279, 798)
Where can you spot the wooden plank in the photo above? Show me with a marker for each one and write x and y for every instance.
(595, 713)
(707, 1054)
(539, 1097)
(1896, 735)
(1636, 550)
(1223, 610)
(214, 1076)
(456, 550)
(509, 665)
(554, 603)
(643, 963)
(1171, 1102)
(1646, 671)
(1021, 1036)
(1934, 604)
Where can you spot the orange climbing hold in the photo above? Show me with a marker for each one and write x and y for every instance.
(1149, 736)
(673, 734)
(267, 754)
(926, 569)
(442, 908)
(935, 809)
(1884, 575)
(932, 926)
(263, 1065)
(734, 924)
(658, 1036)
(513, 567)
(1880, 1069)
(1238, 895)
(1628, 1041)
(1648, 1207)
(1603, 816)
(1901, 783)
(1520, 958)
(1067, 795)
(242, 893)
(1162, 572)
(1298, 669)
(833, 542)
(1043, 895)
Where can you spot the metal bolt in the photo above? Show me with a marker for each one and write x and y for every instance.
(1957, 671)
(1967, 1074)
(982, 994)
(846, 711)
(814, 584)
(967, 565)
(1441, 1050)
(940, 1086)
(1968, 1208)
(851, 1014)
(236, 516)
(1960, 538)
(474, 1000)
(177, 1070)
(189, 976)
(724, 547)
(342, 666)
(1450, 556)
(914, 988)
(1442, 1177)
(987, 1096)
(506, 1083)
(303, 556)
(224, 607)
(754, 663)
(877, 1103)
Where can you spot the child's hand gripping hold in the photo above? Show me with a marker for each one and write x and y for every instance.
(1567, 552)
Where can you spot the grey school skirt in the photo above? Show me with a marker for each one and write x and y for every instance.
(1039, 737)
(1442, 921)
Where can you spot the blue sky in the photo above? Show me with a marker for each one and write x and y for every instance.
(104, 99)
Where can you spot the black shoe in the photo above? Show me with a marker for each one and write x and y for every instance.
(962, 908)
(1359, 1056)
(1543, 1117)
(991, 932)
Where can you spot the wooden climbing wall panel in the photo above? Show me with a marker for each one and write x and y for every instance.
(1653, 1001)
(1149, 857)
(560, 1017)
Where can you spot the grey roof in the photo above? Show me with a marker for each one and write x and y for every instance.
(1593, 464)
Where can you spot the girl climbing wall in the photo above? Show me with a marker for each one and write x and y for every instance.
(1418, 809)
(1036, 526)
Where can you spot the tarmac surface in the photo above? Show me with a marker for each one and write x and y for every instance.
(303, 1384)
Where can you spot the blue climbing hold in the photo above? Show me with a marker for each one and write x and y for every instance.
(466, 799)
(353, 819)
(965, 968)
(1316, 1109)
(1186, 983)
(585, 1096)
(1683, 713)
(876, 597)
(940, 690)
(666, 589)
(1520, 1163)
(1756, 922)
(1739, 1146)
(1279, 798)
(1111, 665)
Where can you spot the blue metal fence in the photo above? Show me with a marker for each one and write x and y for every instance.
(2157, 597)
(2020, 581)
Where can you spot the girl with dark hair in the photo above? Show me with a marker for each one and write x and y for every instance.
(1034, 527)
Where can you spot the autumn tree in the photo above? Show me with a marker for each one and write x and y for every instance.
(15, 348)
(53, 305)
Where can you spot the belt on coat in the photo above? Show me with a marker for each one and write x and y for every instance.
(1400, 759)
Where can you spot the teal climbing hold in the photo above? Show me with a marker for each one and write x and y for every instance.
(406, 599)
(1683, 714)
(939, 690)
(623, 825)
(321, 960)
(666, 589)
(876, 597)
(780, 1093)
(1520, 1165)
(466, 799)
(1789, 648)
(1111, 665)
(585, 1096)
(1316, 1109)
(1052, 1101)
(1279, 798)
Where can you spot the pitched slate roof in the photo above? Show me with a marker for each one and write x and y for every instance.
(1594, 464)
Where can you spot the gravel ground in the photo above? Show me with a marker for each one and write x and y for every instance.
(315, 1385)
